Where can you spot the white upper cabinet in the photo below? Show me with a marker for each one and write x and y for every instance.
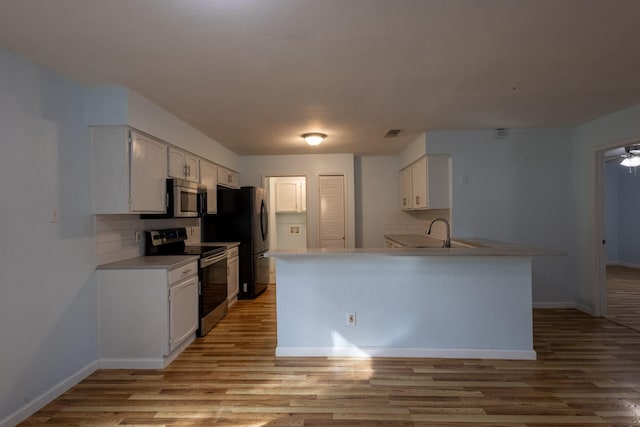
(426, 183)
(291, 195)
(128, 171)
(228, 178)
(183, 165)
(406, 190)
(209, 178)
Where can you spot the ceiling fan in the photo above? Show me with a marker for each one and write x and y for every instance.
(630, 157)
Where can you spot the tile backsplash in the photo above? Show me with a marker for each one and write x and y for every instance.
(115, 234)
(397, 221)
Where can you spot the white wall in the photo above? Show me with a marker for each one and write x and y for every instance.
(254, 169)
(47, 287)
(377, 187)
(518, 190)
(613, 130)
(121, 106)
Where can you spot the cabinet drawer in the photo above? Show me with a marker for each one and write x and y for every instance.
(183, 272)
(232, 252)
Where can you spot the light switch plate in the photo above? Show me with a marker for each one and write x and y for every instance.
(55, 215)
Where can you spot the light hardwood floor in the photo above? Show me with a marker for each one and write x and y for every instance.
(587, 374)
(623, 295)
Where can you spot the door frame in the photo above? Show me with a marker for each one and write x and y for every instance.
(599, 249)
(265, 185)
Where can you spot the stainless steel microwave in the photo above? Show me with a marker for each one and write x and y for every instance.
(185, 199)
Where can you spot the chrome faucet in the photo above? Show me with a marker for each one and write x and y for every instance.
(447, 242)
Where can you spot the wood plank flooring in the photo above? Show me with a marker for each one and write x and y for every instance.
(623, 295)
(587, 374)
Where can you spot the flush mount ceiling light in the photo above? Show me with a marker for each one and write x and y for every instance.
(314, 138)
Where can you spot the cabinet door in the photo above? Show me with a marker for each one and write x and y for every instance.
(183, 311)
(233, 283)
(209, 178)
(405, 188)
(147, 186)
(303, 197)
(192, 170)
(228, 178)
(286, 197)
(419, 184)
(177, 166)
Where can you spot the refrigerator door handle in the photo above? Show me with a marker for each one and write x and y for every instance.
(264, 221)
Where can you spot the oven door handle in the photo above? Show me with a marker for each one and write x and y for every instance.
(206, 262)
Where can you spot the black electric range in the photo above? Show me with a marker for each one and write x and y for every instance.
(212, 271)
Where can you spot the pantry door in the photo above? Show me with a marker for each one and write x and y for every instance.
(332, 224)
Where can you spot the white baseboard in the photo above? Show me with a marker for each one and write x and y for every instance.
(564, 304)
(623, 264)
(554, 304)
(584, 309)
(45, 398)
(145, 362)
(628, 264)
(438, 353)
(123, 363)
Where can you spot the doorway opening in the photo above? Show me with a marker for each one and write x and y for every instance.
(620, 257)
(287, 214)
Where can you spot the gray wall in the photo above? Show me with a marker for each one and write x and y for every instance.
(518, 190)
(377, 188)
(47, 289)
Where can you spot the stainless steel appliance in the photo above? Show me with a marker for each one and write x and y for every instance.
(243, 217)
(212, 272)
(185, 199)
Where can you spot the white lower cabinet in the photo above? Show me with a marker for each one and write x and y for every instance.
(233, 273)
(146, 316)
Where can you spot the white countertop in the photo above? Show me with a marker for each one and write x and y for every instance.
(414, 246)
(166, 262)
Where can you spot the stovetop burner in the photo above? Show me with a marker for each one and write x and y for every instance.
(171, 241)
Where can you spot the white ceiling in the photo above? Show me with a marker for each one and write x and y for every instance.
(256, 74)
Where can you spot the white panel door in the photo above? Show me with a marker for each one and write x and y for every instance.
(332, 211)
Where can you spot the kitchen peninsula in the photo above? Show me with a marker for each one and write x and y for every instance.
(469, 301)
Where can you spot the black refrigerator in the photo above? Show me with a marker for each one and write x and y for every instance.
(243, 217)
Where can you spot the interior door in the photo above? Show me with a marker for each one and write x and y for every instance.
(332, 211)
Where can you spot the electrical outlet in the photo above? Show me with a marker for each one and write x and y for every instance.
(193, 231)
(138, 236)
(351, 319)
